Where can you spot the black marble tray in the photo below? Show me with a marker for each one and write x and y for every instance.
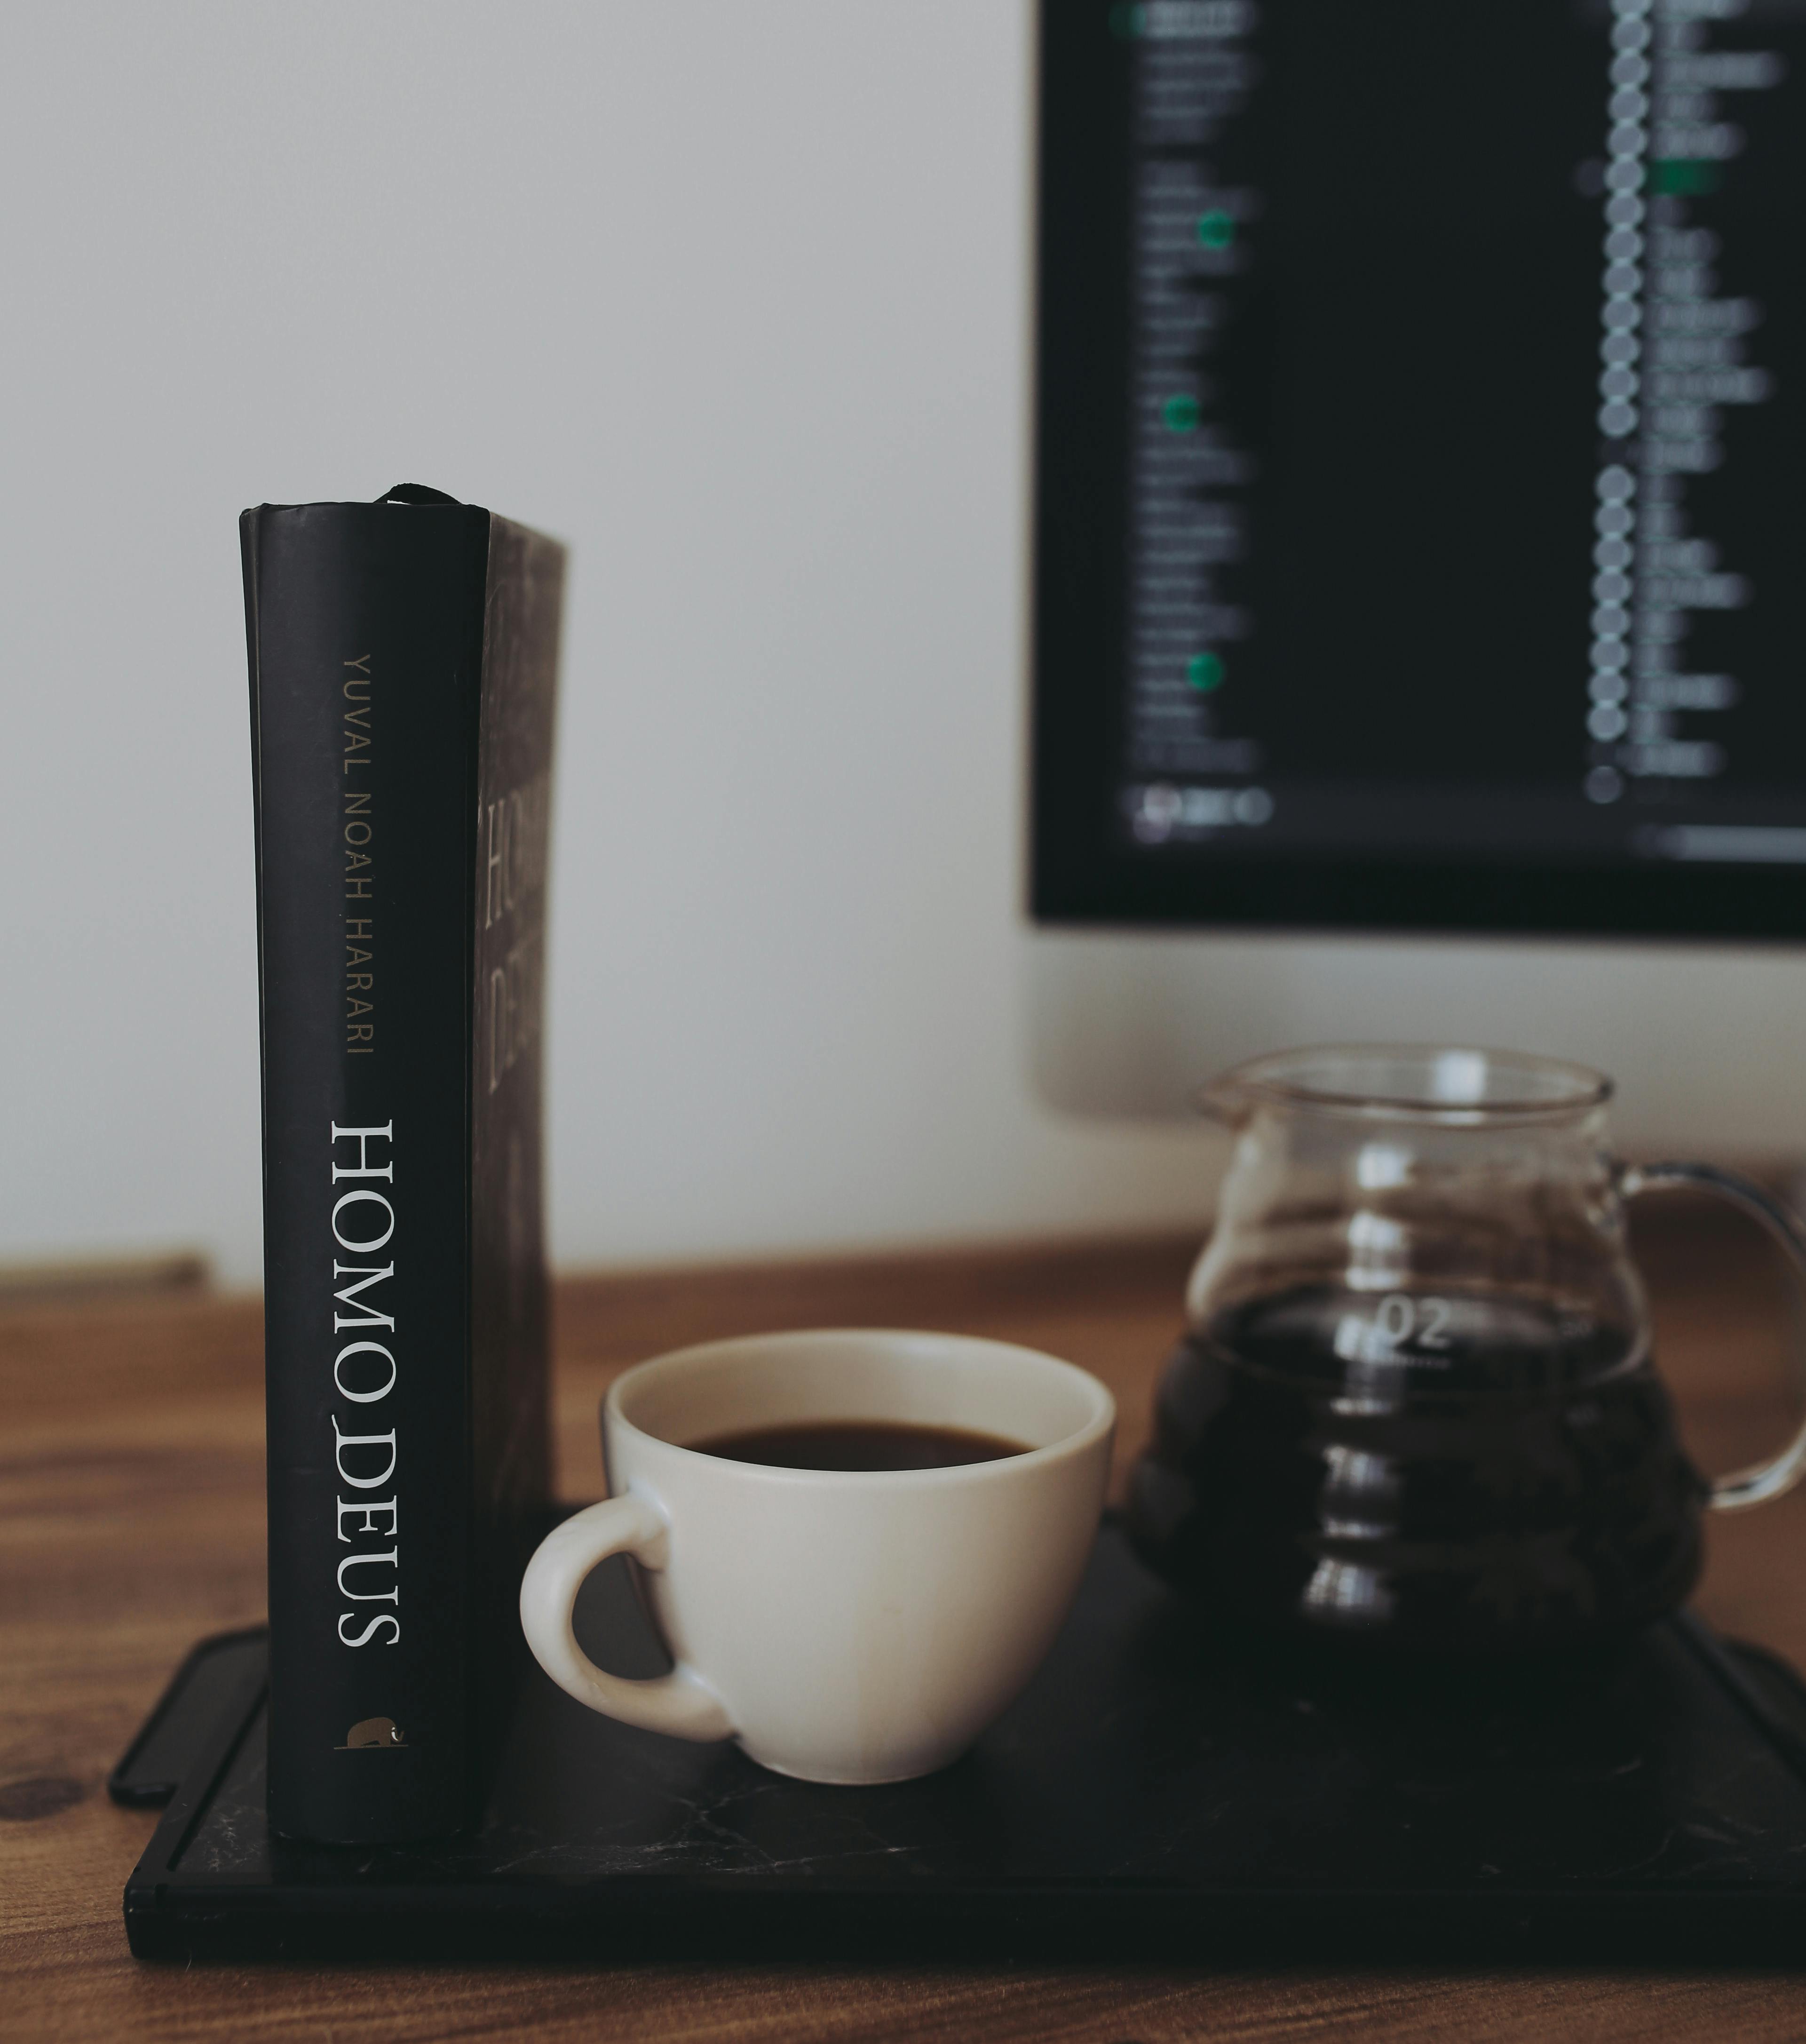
(1158, 1791)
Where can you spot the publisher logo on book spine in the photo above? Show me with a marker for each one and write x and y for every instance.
(370, 1734)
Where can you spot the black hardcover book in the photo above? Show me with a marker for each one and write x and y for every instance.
(403, 674)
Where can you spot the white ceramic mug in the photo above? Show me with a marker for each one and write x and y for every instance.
(848, 1626)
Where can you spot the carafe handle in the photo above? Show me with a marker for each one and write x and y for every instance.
(1765, 1480)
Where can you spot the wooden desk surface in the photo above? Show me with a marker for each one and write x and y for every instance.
(132, 1523)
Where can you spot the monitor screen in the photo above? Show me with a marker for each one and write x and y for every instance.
(1421, 498)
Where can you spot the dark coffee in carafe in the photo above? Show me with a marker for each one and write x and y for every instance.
(1519, 1483)
(1415, 1405)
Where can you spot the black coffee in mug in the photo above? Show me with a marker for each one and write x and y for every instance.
(859, 1444)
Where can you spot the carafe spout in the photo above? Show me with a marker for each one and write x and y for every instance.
(1225, 1101)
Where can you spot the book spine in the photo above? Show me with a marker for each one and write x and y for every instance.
(366, 630)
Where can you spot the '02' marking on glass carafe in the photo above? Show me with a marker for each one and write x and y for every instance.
(1401, 1320)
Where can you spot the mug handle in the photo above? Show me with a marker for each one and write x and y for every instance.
(1755, 1485)
(680, 1703)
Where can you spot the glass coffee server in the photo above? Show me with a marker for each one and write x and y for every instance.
(1416, 1403)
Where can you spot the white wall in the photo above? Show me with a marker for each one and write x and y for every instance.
(729, 294)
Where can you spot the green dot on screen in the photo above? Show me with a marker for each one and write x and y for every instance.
(1216, 230)
(1181, 414)
(1683, 175)
(1204, 672)
(1127, 20)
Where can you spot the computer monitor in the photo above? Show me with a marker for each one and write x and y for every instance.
(1420, 542)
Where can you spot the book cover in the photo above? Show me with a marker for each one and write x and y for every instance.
(403, 659)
